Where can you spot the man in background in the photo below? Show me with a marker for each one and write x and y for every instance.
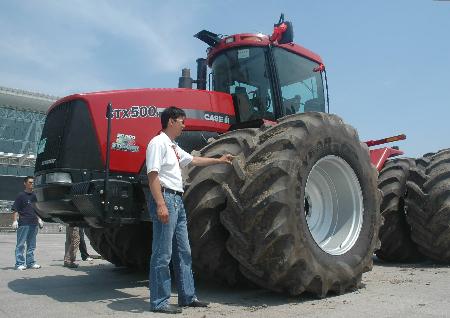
(83, 248)
(71, 246)
(26, 221)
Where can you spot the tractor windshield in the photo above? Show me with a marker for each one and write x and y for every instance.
(301, 87)
(243, 73)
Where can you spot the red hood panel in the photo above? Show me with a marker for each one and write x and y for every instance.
(136, 118)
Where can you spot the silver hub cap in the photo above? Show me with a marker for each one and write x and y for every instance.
(333, 205)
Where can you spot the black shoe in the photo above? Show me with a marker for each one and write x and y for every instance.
(197, 303)
(70, 265)
(169, 309)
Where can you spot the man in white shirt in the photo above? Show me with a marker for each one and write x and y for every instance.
(164, 160)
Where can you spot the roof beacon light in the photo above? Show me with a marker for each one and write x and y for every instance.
(282, 32)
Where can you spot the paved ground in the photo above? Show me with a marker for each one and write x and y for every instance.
(99, 289)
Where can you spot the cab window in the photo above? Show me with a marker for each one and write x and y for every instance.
(301, 87)
(243, 73)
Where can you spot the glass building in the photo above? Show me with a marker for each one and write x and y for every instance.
(22, 116)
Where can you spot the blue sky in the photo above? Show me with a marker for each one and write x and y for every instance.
(388, 62)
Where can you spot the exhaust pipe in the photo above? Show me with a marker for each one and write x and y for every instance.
(186, 81)
(201, 73)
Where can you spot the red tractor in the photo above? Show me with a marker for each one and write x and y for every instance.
(298, 210)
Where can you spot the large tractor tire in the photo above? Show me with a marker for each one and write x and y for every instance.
(395, 233)
(204, 200)
(127, 245)
(429, 211)
(303, 209)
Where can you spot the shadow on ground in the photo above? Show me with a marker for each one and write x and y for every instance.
(124, 290)
(113, 286)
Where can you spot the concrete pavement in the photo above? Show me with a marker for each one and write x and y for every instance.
(99, 289)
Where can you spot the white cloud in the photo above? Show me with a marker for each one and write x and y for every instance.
(87, 44)
(154, 32)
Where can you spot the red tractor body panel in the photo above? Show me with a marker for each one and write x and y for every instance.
(258, 39)
(380, 155)
(136, 115)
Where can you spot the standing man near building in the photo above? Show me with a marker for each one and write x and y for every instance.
(170, 236)
(26, 221)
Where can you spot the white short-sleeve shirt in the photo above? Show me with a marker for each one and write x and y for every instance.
(166, 158)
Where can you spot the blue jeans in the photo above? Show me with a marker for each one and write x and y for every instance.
(26, 234)
(170, 241)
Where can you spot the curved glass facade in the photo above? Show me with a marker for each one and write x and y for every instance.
(22, 117)
(20, 131)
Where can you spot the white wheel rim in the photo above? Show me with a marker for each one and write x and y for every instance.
(333, 205)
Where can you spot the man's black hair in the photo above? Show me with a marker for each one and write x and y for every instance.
(25, 180)
(171, 112)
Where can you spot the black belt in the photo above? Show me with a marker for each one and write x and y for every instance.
(167, 190)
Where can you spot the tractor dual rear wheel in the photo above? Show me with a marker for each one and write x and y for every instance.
(204, 200)
(429, 210)
(303, 208)
(395, 233)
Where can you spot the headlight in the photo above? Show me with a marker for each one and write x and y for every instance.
(38, 180)
(58, 177)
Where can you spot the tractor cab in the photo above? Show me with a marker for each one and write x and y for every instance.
(268, 76)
